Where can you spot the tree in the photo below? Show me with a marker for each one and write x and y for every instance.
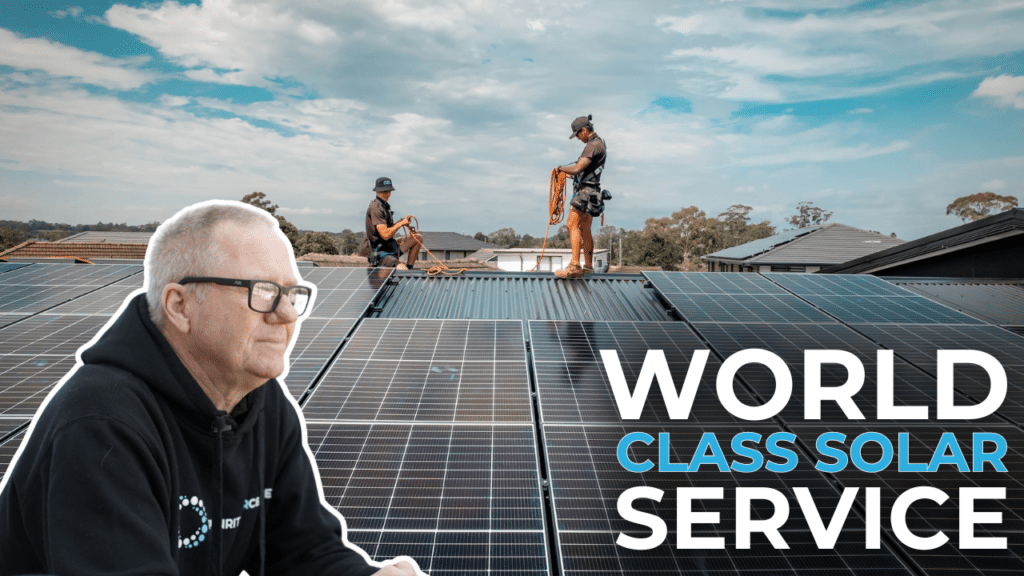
(809, 215)
(734, 227)
(349, 243)
(259, 200)
(652, 249)
(977, 206)
(506, 238)
(11, 237)
(480, 236)
(316, 243)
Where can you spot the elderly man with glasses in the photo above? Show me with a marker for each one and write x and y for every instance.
(171, 448)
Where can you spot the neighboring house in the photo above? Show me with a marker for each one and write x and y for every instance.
(988, 248)
(800, 250)
(525, 259)
(451, 245)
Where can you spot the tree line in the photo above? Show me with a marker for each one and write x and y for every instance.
(674, 242)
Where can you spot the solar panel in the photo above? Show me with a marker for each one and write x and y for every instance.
(41, 334)
(7, 449)
(102, 301)
(69, 274)
(8, 266)
(317, 341)
(889, 309)
(427, 370)
(26, 380)
(836, 285)
(8, 319)
(911, 386)
(995, 301)
(345, 292)
(745, 308)
(572, 382)
(925, 517)
(587, 480)
(9, 425)
(711, 283)
(26, 299)
(460, 499)
(919, 344)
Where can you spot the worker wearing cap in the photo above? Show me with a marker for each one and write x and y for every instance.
(588, 198)
(383, 249)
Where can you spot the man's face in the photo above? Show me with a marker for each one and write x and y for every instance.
(229, 337)
(385, 194)
(583, 134)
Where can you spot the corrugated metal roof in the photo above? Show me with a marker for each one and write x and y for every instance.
(521, 296)
(744, 251)
(985, 230)
(824, 245)
(996, 301)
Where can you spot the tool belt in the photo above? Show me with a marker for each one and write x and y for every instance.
(589, 198)
(378, 254)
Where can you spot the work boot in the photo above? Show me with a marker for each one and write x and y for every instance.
(570, 272)
(588, 269)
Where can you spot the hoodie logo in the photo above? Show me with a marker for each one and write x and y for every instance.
(205, 524)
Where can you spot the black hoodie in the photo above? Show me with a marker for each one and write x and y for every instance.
(130, 469)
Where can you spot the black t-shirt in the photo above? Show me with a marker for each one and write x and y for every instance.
(595, 149)
(379, 212)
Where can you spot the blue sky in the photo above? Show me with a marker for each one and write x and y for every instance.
(882, 112)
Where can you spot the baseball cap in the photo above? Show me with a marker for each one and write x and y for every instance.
(580, 123)
(383, 184)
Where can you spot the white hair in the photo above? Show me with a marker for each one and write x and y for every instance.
(184, 245)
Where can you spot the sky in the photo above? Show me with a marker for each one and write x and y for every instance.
(882, 112)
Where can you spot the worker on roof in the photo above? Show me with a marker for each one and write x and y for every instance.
(587, 198)
(380, 246)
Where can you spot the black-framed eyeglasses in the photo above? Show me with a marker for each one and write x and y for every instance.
(264, 295)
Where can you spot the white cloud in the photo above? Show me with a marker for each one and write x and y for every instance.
(861, 111)
(305, 211)
(61, 61)
(993, 185)
(70, 12)
(1005, 89)
(243, 43)
(535, 25)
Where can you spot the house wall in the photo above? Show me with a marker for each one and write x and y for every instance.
(999, 259)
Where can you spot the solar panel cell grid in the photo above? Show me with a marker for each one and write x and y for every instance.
(711, 283)
(836, 285)
(911, 386)
(49, 334)
(926, 517)
(9, 425)
(69, 274)
(587, 480)
(572, 382)
(7, 450)
(316, 342)
(427, 370)
(9, 266)
(32, 299)
(466, 496)
(889, 309)
(745, 308)
(26, 380)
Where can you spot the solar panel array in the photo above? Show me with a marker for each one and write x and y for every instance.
(423, 433)
(995, 301)
(490, 446)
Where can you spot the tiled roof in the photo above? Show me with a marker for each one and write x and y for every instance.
(80, 250)
(112, 237)
(827, 244)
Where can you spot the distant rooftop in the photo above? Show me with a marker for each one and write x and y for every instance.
(76, 251)
(454, 242)
(111, 237)
(812, 245)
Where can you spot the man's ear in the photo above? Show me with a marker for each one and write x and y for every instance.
(175, 300)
